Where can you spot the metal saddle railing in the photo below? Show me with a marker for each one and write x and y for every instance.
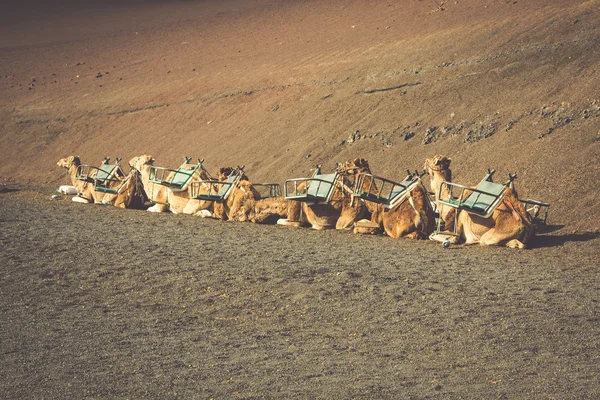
(175, 179)
(107, 178)
(318, 188)
(268, 190)
(481, 200)
(537, 210)
(384, 191)
(216, 190)
(86, 173)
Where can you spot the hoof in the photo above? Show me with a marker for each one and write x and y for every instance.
(204, 214)
(365, 227)
(156, 208)
(78, 199)
(66, 189)
(442, 236)
(287, 222)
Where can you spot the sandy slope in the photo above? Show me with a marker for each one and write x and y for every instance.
(282, 85)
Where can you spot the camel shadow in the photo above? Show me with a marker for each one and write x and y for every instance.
(543, 240)
(4, 189)
(543, 228)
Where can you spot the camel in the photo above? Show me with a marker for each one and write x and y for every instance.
(86, 192)
(164, 198)
(339, 211)
(131, 193)
(508, 225)
(241, 192)
(244, 203)
(411, 217)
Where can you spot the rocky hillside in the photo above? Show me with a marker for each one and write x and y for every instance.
(280, 86)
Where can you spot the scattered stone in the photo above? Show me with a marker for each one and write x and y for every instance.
(510, 125)
(353, 137)
(481, 131)
(431, 135)
(308, 156)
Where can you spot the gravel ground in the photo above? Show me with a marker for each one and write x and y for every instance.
(99, 302)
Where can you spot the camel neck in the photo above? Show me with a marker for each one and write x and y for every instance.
(145, 173)
(436, 181)
(437, 178)
(73, 173)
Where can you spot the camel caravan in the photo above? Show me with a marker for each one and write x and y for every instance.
(349, 198)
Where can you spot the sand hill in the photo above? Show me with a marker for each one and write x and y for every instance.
(280, 86)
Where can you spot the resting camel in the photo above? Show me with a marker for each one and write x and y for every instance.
(165, 199)
(245, 204)
(340, 212)
(86, 192)
(131, 193)
(413, 217)
(508, 225)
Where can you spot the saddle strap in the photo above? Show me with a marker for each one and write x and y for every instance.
(514, 212)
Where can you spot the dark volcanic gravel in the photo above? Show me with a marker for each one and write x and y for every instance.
(99, 302)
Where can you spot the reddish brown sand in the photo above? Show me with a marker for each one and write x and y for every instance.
(280, 86)
(100, 302)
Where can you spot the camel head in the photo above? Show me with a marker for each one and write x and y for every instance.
(139, 161)
(438, 169)
(224, 173)
(354, 167)
(67, 162)
(437, 163)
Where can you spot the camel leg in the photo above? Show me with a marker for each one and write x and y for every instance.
(79, 199)
(515, 244)
(417, 235)
(158, 208)
(321, 227)
(495, 238)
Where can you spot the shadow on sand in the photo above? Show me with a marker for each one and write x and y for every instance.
(542, 239)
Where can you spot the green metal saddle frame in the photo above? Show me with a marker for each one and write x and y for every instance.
(175, 179)
(317, 189)
(383, 191)
(268, 190)
(108, 178)
(217, 190)
(537, 210)
(481, 200)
